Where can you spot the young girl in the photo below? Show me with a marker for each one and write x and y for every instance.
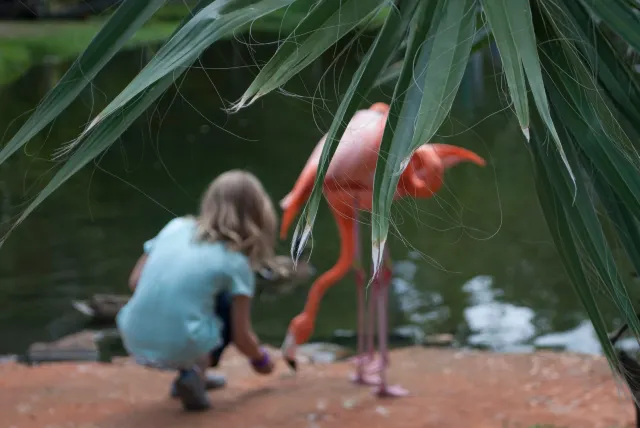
(193, 263)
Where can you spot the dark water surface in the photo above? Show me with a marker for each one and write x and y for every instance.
(476, 261)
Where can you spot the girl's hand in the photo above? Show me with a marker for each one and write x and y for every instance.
(263, 365)
(244, 338)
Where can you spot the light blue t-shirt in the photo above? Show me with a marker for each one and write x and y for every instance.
(170, 319)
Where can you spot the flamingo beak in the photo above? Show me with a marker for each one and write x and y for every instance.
(289, 352)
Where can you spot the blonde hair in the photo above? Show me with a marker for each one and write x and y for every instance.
(236, 209)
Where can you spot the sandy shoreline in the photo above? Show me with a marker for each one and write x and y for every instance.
(450, 388)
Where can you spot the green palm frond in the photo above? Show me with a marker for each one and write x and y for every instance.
(321, 29)
(620, 15)
(124, 23)
(210, 23)
(440, 43)
(572, 88)
(386, 43)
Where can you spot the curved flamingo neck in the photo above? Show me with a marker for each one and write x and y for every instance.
(345, 223)
(424, 175)
(380, 107)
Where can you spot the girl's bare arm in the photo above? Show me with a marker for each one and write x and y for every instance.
(135, 273)
(243, 336)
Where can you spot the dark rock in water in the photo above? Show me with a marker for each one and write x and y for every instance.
(344, 337)
(101, 308)
(444, 339)
(277, 276)
(280, 276)
(80, 346)
(406, 335)
(322, 353)
(110, 344)
(400, 336)
(107, 334)
(5, 359)
(343, 333)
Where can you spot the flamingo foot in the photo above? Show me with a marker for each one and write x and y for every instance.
(359, 359)
(364, 376)
(365, 379)
(390, 391)
(372, 364)
(376, 366)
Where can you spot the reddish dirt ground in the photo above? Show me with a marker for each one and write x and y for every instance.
(449, 389)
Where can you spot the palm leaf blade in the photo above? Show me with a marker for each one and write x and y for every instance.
(519, 12)
(211, 23)
(365, 78)
(327, 23)
(392, 73)
(582, 109)
(624, 222)
(616, 77)
(502, 28)
(620, 17)
(575, 102)
(102, 133)
(440, 66)
(560, 229)
(120, 27)
(588, 232)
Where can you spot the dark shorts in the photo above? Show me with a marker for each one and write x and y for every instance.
(223, 310)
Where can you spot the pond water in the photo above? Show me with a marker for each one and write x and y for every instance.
(476, 261)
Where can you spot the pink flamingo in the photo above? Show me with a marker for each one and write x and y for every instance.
(348, 187)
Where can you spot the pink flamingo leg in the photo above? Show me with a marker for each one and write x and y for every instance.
(374, 365)
(382, 295)
(362, 377)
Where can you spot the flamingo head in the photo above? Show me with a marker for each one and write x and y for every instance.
(380, 107)
(425, 172)
(299, 332)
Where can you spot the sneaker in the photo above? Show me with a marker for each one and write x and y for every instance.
(212, 381)
(190, 389)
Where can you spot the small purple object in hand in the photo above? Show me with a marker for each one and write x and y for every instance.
(262, 362)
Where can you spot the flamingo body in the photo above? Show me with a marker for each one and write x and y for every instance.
(352, 165)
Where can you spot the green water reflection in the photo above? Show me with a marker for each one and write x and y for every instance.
(485, 225)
